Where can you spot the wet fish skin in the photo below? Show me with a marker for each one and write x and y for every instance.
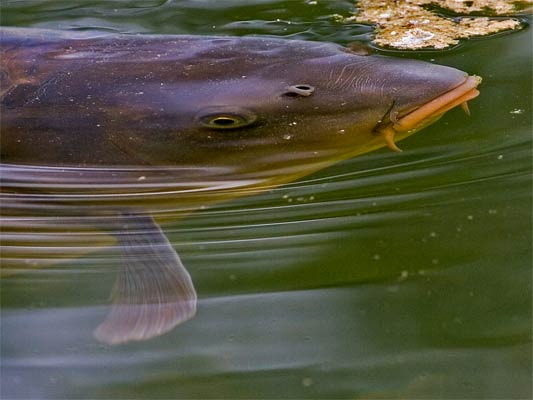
(136, 100)
(146, 104)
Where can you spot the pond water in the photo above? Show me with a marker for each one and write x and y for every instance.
(384, 276)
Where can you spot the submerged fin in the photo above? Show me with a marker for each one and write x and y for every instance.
(153, 292)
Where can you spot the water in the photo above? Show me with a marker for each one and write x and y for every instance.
(385, 276)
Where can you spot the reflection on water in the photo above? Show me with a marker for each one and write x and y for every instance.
(361, 279)
(385, 276)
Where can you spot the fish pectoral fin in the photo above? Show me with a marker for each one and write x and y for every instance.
(153, 292)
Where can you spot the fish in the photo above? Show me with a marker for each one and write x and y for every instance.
(119, 131)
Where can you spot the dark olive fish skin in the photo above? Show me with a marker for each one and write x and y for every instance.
(137, 100)
(115, 127)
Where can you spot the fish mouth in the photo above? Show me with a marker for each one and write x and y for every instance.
(415, 119)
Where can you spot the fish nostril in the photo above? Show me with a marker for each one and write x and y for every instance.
(301, 90)
(291, 94)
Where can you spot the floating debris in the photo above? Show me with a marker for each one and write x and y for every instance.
(413, 24)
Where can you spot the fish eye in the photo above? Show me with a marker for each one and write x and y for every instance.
(226, 119)
(300, 90)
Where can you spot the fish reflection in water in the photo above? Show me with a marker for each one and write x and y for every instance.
(116, 133)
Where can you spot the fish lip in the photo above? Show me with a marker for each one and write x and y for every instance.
(416, 118)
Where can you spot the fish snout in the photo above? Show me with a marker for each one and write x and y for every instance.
(434, 91)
